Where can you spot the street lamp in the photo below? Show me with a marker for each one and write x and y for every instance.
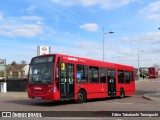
(103, 40)
(138, 62)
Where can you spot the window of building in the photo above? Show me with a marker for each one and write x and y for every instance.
(82, 73)
(127, 77)
(102, 75)
(120, 76)
(94, 74)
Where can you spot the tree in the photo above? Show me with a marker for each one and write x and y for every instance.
(23, 62)
(13, 63)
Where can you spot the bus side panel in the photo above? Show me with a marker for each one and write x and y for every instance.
(128, 88)
(93, 90)
(97, 90)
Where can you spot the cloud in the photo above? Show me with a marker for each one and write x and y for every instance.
(103, 4)
(153, 17)
(152, 7)
(152, 11)
(77, 2)
(149, 38)
(148, 42)
(31, 8)
(37, 19)
(110, 4)
(90, 27)
(23, 26)
(1, 17)
(25, 30)
(32, 18)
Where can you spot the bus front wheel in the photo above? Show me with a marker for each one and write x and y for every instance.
(81, 97)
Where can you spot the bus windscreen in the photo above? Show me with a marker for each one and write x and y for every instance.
(41, 70)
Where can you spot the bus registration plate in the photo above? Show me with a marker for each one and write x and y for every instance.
(37, 98)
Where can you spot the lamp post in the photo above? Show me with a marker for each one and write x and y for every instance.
(138, 62)
(103, 41)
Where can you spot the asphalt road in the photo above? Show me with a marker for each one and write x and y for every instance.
(14, 101)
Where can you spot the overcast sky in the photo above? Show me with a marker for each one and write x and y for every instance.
(75, 27)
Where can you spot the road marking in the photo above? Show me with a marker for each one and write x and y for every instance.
(151, 81)
(119, 103)
(123, 103)
(147, 81)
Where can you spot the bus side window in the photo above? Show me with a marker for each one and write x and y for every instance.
(94, 74)
(109, 75)
(102, 75)
(131, 76)
(82, 73)
(120, 76)
(127, 77)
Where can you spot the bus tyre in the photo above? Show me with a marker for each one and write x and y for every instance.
(81, 97)
(122, 94)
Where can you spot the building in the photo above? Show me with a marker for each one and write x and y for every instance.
(15, 71)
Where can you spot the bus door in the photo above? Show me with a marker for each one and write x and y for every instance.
(111, 83)
(67, 81)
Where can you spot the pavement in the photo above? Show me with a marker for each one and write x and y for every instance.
(153, 96)
(14, 95)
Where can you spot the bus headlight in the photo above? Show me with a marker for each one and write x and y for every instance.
(54, 89)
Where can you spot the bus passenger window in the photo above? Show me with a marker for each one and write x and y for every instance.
(102, 75)
(120, 76)
(94, 77)
(127, 77)
(82, 73)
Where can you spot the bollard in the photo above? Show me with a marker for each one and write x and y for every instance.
(3, 87)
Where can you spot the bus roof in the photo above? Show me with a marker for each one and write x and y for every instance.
(86, 60)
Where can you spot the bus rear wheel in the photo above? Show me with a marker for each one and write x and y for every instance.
(122, 94)
(81, 97)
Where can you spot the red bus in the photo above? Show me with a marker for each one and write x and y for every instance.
(152, 72)
(62, 77)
